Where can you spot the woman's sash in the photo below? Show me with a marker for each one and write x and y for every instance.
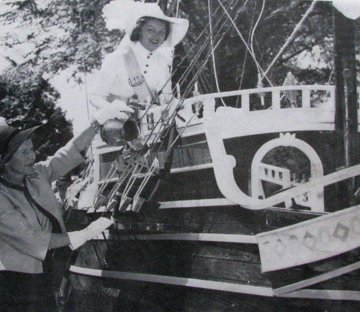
(136, 79)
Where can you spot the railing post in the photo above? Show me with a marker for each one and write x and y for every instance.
(245, 102)
(305, 98)
(275, 95)
(332, 96)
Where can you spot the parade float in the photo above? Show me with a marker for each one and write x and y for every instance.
(206, 220)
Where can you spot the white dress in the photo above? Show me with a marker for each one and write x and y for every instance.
(113, 80)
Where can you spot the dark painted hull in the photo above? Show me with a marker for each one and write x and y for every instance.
(166, 259)
(179, 253)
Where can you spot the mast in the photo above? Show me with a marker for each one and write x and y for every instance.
(346, 119)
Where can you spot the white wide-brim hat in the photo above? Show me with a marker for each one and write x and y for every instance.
(178, 26)
(349, 8)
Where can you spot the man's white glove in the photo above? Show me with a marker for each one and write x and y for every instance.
(95, 228)
(117, 109)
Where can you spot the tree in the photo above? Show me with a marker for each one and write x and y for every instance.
(30, 102)
(264, 30)
(39, 39)
(50, 35)
(42, 37)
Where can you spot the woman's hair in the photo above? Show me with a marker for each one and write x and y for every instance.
(135, 35)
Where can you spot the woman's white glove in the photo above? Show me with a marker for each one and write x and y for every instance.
(117, 109)
(95, 228)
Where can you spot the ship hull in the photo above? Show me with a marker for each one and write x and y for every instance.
(211, 262)
(194, 241)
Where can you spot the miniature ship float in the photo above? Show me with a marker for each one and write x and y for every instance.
(223, 225)
(229, 201)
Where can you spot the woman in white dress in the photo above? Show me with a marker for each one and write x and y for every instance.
(151, 35)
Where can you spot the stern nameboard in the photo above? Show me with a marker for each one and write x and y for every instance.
(310, 241)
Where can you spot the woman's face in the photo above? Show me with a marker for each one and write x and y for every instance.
(22, 162)
(152, 34)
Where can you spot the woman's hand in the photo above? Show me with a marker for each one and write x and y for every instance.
(116, 110)
(78, 238)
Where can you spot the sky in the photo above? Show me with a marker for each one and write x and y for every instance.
(73, 99)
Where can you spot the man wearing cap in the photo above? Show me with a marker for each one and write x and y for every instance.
(138, 62)
(31, 220)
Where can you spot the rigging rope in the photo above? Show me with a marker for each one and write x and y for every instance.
(182, 79)
(213, 52)
(288, 41)
(177, 8)
(249, 50)
(219, 34)
(187, 72)
(84, 62)
(253, 31)
(244, 62)
(133, 170)
(245, 43)
(194, 60)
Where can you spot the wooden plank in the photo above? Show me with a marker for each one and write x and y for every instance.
(320, 278)
(324, 294)
(217, 268)
(311, 240)
(192, 168)
(280, 217)
(312, 185)
(223, 252)
(218, 286)
(178, 281)
(204, 97)
(196, 203)
(199, 237)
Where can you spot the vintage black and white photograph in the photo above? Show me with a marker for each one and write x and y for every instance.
(179, 156)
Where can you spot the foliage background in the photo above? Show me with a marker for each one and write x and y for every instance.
(42, 38)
